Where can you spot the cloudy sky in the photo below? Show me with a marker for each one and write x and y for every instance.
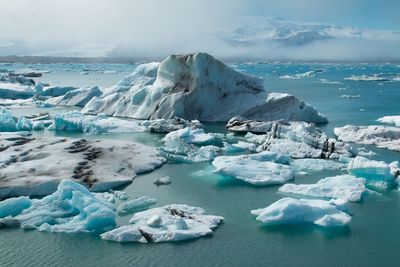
(161, 27)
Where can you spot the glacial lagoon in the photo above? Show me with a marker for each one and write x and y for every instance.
(240, 240)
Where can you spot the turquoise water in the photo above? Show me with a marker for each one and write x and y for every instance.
(370, 240)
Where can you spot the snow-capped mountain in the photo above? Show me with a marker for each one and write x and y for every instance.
(248, 31)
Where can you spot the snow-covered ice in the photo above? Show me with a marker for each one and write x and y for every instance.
(333, 213)
(390, 120)
(197, 86)
(316, 165)
(35, 166)
(296, 139)
(165, 224)
(345, 187)
(382, 136)
(265, 168)
(169, 125)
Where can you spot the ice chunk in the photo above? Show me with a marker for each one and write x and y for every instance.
(376, 173)
(78, 97)
(74, 121)
(169, 125)
(381, 136)
(264, 168)
(381, 77)
(35, 166)
(345, 187)
(165, 224)
(197, 86)
(316, 165)
(8, 123)
(239, 147)
(14, 206)
(287, 210)
(162, 181)
(71, 209)
(296, 139)
(390, 120)
(135, 205)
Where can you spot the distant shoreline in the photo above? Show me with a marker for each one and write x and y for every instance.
(135, 60)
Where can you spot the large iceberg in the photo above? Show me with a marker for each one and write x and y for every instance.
(165, 224)
(265, 168)
(197, 86)
(382, 136)
(287, 210)
(74, 121)
(71, 209)
(35, 166)
(345, 187)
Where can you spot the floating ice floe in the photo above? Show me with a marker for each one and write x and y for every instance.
(333, 213)
(325, 81)
(296, 139)
(240, 146)
(390, 120)
(265, 168)
(189, 145)
(77, 97)
(135, 205)
(199, 87)
(169, 125)
(350, 96)
(316, 165)
(377, 174)
(381, 136)
(165, 224)
(71, 209)
(74, 121)
(298, 76)
(162, 181)
(16, 87)
(381, 77)
(345, 187)
(35, 166)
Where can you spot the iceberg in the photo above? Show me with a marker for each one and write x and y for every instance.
(35, 166)
(8, 123)
(189, 145)
(165, 224)
(296, 139)
(298, 76)
(390, 120)
(74, 121)
(265, 168)
(345, 187)
(316, 165)
(382, 136)
(199, 87)
(71, 209)
(376, 173)
(169, 125)
(78, 97)
(333, 213)
(135, 205)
